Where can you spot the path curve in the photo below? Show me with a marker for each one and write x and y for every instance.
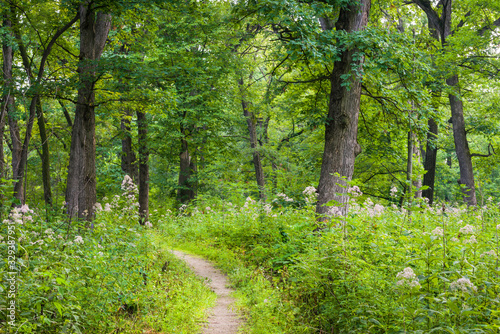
(222, 319)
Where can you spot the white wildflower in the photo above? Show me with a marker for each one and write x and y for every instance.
(378, 208)
(472, 240)
(462, 284)
(25, 209)
(335, 211)
(285, 197)
(467, 229)
(438, 231)
(78, 240)
(309, 191)
(97, 207)
(490, 253)
(454, 239)
(394, 190)
(407, 278)
(354, 191)
(310, 194)
(148, 224)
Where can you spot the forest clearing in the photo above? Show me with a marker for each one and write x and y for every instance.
(244, 166)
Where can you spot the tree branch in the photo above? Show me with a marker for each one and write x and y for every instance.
(485, 155)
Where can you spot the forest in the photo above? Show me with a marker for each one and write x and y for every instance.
(338, 160)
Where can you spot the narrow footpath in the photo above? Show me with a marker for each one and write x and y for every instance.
(222, 319)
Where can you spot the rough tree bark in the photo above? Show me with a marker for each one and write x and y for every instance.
(81, 183)
(254, 142)
(341, 128)
(462, 145)
(142, 131)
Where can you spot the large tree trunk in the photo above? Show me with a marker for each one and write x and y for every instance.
(128, 160)
(341, 128)
(254, 144)
(461, 145)
(430, 161)
(47, 191)
(81, 184)
(142, 130)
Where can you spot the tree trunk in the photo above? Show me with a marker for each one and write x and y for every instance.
(8, 57)
(461, 145)
(47, 191)
(128, 160)
(81, 184)
(341, 128)
(415, 183)
(2, 130)
(409, 165)
(3, 117)
(142, 130)
(442, 24)
(186, 191)
(19, 170)
(252, 130)
(430, 161)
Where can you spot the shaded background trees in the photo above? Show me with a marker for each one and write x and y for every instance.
(240, 98)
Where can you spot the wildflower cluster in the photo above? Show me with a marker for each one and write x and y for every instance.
(463, 284)
(373, 210)
(467, 229)
(354, 191)
(310, 194)
(407, 278)
(438, 231)
(284, 197)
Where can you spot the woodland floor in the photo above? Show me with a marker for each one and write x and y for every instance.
(222, 319)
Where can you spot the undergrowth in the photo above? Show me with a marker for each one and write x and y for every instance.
(379, 270)
(110, 276)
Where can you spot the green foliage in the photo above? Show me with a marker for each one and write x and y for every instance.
(382, 273)
(111, 275)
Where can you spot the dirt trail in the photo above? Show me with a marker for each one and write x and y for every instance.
(222, 319)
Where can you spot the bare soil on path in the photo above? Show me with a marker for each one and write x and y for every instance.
(222, 319)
